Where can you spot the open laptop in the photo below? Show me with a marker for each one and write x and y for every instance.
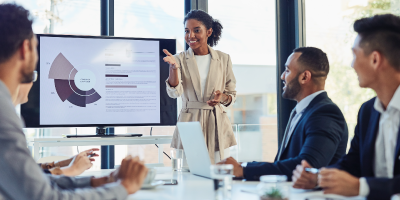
(195, 148)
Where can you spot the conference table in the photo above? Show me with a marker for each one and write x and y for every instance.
(195, 187)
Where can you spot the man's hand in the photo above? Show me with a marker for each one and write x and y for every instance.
(99, 181)
(67, 162)
(335, 181)
(302, 179)
(92, 151)
(78, 165)
(132, 174)
(237, 168)
(170, 59)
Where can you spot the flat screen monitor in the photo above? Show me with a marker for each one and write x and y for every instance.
(98, 81)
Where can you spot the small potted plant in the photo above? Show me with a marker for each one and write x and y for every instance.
(273, 194)
(273, 187)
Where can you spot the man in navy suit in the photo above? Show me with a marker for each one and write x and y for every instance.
(372, 167)
(316, 131)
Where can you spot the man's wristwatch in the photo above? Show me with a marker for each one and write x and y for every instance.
(47, 165)
(244, 165)
(57, 164)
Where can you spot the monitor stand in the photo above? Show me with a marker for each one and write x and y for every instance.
(101, 132)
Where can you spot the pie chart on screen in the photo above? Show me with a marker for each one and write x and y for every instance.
(73, 85)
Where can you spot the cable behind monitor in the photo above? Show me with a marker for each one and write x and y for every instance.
(151, 131)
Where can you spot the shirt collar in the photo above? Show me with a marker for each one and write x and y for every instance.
(394, 102)
(306, 101)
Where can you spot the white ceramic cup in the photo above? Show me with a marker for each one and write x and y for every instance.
(151, 174)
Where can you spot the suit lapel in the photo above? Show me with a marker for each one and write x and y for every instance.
(283, 146)
(370, 138)
(212, 76)
(317, 99)
(194, 73)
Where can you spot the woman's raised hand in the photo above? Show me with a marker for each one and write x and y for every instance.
(169, 59)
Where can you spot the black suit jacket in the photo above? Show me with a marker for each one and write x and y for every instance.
(360, 160)
(320, 137)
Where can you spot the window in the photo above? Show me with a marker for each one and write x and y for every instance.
(148, 19)
(248, 36)
(329, 26)
(64, 17)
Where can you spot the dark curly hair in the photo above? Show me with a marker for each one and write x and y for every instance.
(15, 27)
(380, 33)
(208, 22)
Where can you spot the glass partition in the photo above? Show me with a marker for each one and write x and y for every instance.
(257, 142)
(248, 36)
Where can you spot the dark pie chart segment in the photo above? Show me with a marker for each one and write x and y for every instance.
(64, 74)
(63, 89)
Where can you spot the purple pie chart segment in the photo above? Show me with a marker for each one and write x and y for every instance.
(63, 73)
(76, 89)
(77, 100)
(63, 89)
(93, 98)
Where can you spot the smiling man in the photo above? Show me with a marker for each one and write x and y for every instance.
(372, 167)
(316, 131)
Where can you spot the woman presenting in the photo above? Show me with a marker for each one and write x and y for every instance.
(204, 79)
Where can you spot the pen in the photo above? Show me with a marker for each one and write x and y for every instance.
(312, 170)
(91, 155)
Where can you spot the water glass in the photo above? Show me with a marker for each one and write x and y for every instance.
(222, 175)
(177, 159)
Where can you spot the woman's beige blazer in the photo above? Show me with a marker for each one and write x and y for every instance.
(214, 121)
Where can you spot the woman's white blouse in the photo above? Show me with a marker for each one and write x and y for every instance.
(203, 64)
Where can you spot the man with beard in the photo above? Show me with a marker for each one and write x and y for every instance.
(316, 131)
(21, 178)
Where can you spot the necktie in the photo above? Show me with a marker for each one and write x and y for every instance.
(284, 142)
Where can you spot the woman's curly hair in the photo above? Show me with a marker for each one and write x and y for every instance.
(208, 22)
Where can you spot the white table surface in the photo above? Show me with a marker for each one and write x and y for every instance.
(194, 187)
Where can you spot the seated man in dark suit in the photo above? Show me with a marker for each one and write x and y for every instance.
(372, 166)
(316, 131)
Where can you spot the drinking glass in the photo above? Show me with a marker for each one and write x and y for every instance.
(222, 175)
(177, 159)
